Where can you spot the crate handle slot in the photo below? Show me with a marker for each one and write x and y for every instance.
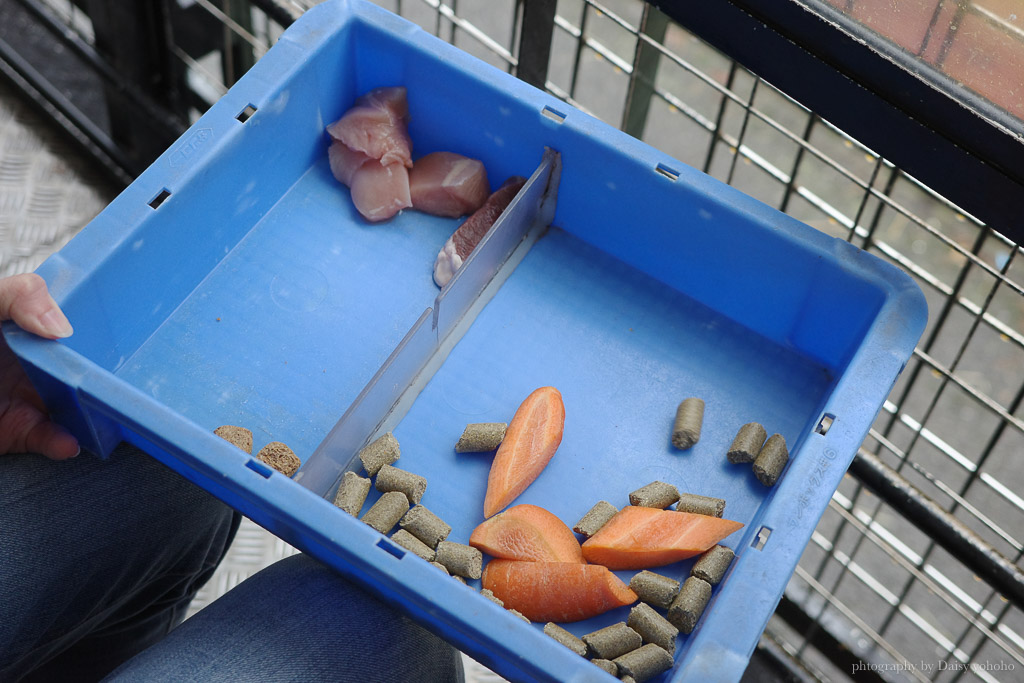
(259, 468)
(156, 201)
(391, 548)
(246, 113)
(553, 114)
(762, 538)
(825, 423)
(667, 171)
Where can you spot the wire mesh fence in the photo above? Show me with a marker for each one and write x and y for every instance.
(874, 594)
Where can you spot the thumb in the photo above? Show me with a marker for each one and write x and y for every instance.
(25, 300)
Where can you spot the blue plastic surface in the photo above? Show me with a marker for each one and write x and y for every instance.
(255, 295)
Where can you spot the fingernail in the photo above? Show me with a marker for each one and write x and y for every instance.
(54, 322)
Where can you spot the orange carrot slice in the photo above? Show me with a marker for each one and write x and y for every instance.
(527, 532)
(556, 591)
(639, 537)
(531, 439)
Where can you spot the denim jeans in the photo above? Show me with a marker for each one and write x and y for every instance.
(99, 559)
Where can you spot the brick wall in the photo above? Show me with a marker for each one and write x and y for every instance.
(978, 42)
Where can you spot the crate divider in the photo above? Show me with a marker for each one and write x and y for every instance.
(387, 397)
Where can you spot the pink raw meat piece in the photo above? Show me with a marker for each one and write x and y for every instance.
(376, 125)
(344, 161)
(380, 191)
(448, 184)
(472, 230)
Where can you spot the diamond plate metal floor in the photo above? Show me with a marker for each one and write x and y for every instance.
(48, 192)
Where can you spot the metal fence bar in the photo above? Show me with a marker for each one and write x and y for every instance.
(939, 525)
(535, 41)
(922, 573)
(653, 24)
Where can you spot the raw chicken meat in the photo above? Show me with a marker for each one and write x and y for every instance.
(380, 191)
(472, 230)
(376, 125)
(344, 161)
(448, 184)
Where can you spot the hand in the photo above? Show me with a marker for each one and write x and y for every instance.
(25, 426)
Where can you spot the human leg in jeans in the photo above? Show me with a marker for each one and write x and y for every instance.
(99, 559)
(296, 621)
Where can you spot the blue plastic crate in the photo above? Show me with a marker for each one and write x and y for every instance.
(253, 294)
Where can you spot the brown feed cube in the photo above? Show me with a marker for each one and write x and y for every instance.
(606, 665)
(747, 443)
(654, 589)
(352, 493)
(686, 428)
(413, 544)
(565, 638)
(771, 460)
(391, 478)
(701, 505)
(520, 615)
(280, 457)
(657, 494)
(595, 518)
(653, 627)
(611, 641)
(239, 436)
(461, 560)
(385, 513)
(489, 594)
(689, 604)
(481, 437)
(644, 663)
(384, 450)
(425, 525)
(711, 565)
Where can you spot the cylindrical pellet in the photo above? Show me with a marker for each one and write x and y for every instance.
(352, 493)
(747, 443)
(461, 560)
(481, 437)
(627, 679)
(393, 479)
(413, 544)
(280, 457)
(606, 665)
(565, 638)
(689, 604)
(520, 615)
(384, 450)
(239, 436)
(385, 513)
(653, 627)
(654, 589)
(771, 460)
(489, 594)
(657, 494)
(644, 663)
(440, 566)
(712, 564)
(611, 641)
(595, 518)
(701, 505)
(425, 525)
(686, 428)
